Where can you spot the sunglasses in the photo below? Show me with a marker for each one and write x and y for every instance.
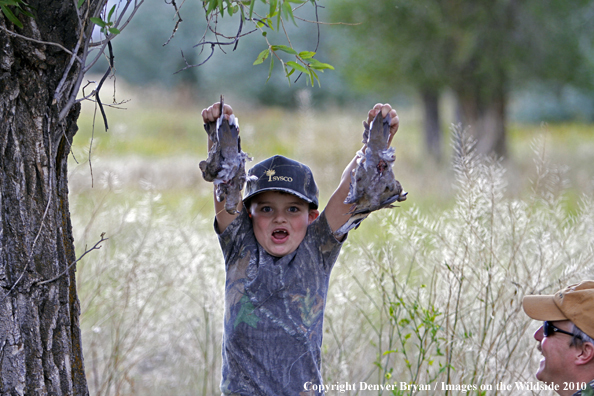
(549, 329)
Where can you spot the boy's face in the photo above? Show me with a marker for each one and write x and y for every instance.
(280, 221)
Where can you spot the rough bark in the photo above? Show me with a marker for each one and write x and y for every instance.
(431, 123)
(40, 342)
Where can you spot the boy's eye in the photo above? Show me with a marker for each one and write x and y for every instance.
(266, 209)
(293, 209)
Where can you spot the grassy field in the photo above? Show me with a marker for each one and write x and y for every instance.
(427, 293)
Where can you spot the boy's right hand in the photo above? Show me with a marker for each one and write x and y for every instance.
(212, 113)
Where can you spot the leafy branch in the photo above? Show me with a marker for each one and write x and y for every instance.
(270, 19)
(305, 62)
(19, 6)
(107, 27)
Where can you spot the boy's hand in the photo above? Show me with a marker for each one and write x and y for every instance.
(212, 113)
(225, 165)
(385, 109)
(337, 212)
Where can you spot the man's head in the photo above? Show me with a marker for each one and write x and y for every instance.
(565, 338)
(281, 198)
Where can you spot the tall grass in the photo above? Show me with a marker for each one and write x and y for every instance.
(152, 297)
(425, 294)
(442, 296)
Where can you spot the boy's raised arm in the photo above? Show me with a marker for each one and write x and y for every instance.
(224, 218)
(337, 212)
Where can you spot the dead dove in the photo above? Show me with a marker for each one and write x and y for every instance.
(225, 165)
(373, 185)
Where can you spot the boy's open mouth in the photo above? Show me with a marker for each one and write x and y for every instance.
(280, 235)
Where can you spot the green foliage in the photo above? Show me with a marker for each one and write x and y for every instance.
(272, 19)
(12, 9)
(480, 45)
(308, 64)
(107, 26)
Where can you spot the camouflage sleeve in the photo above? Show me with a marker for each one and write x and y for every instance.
(321, 235)
(232, 238)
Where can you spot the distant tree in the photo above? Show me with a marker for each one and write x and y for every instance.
(45, 50)
(480, 49)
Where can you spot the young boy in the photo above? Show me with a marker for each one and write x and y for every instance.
(279, 251)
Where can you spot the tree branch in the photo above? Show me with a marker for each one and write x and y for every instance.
(107, 72)
(95, 247)
(179, 20)
(41, 42)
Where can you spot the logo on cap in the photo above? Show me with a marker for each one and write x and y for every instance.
(271, 172)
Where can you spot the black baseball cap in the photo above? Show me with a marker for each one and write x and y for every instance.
(280, 173)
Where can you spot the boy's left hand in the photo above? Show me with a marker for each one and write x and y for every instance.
(385, 109)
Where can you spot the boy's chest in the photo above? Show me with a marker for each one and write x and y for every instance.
(289, 292)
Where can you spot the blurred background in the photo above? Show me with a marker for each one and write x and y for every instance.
(516, 77)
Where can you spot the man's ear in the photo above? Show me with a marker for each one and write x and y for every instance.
(587, 354)
(313, 214)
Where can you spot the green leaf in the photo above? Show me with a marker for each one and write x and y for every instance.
(297, 66)
(272, 11)
(284, 48)
(11, 16)
(114, 30)
(262, 56)
(306, 54)
(288, 12)
(252, 3)
(211, 6)
(221, 7)
(316, 64)
(27, 13)
(317, 78)
(296, 1)
(270, 69)
(269, 22)
(80, 3)
(287, 74)
(110, 13)
(98, 21)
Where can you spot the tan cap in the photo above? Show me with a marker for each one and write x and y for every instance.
(574, 303)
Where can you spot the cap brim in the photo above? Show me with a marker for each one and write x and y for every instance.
(542, 308)
(286, 190)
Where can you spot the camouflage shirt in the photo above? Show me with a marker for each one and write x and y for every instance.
(589, 391)
(274, 310)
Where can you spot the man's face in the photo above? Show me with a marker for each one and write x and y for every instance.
(280, 221)
(556, 354)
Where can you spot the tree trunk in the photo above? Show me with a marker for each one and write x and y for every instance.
(486, 117)
(40, 342)
(432, 124)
